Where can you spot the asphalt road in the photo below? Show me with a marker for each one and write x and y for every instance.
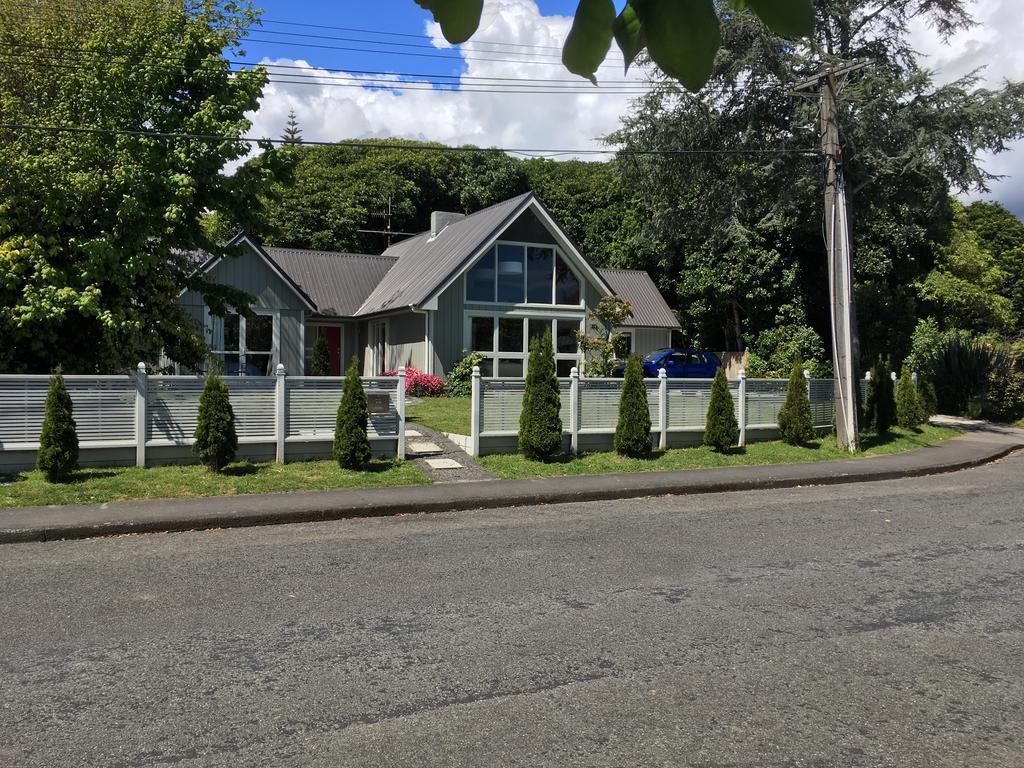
(867, 625)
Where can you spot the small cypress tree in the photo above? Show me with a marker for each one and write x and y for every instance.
(909, 409)
(880, 405)
(351, 443)
(215, 439)
(795, 421)
(929, 399)
(633, 431)
(58, 441)
(321, 363)
(721, 431)
(540, 426)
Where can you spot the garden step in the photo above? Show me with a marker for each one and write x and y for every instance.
(420, 449)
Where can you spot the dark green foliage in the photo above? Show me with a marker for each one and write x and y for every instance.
(880, 405)
(1004, 396)
(460, 378)
(58, 441)
(929, 399)
(321, 363)
(721, 431)
(909, 408)
(351, 442)
(540, 427)
(633, 431)
(962, 371)
(215, 439)
(795, 421)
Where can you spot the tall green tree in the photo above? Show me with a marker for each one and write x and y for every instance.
(721, 429)
(540, 425)
(292, 136)
(753, 216)
(633, 429)
(796, 423)
(98, 229)
(351, 440)
(216, 440)
(57, 457)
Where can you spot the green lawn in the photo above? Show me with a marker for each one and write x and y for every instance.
(445, 414)
(775, 452)
(89, 486)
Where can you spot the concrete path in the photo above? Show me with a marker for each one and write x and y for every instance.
(984, 443)
(446, 462)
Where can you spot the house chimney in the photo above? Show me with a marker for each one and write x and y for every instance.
(441, 219)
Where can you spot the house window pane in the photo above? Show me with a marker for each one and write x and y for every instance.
(511, 369)
(230, 364)
(566, 343)
(258, 365)
(538, 328)
(565, 367)
(510, 274)
(540, 262)
(624, 345)
(480, 279)
(259, 333)
(231, 333)
(483, 334)
(510, 334)
(487, 367)
(567, 286)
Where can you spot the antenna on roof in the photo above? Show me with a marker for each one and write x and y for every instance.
(387, 215)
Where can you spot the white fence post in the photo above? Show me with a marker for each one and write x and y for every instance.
(915, 378)
(474, 438)
(141, 381)
(574, 410)
(807, 378)
(280, 412)
(401, 412)
(662, 409)
(743, 407)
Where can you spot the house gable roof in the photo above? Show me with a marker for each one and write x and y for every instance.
(650, 309)
(337, 283)
(428, 264)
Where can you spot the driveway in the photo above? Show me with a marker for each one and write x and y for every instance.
(879, 624)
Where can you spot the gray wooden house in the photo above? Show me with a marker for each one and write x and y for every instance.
(487, 282)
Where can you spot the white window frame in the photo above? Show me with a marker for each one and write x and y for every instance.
(559, 254)
(379, 365)
(551, 317)
(631, 333)
(217, 344)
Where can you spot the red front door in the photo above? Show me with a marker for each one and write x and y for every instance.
(333, 335)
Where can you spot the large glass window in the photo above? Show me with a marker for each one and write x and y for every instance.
(567, 285)
(515, 274)
(480, 279)
(511, 281)
(247, 345)
(540, 264)
(513, 336)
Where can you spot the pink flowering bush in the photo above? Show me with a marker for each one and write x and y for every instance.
(420, 384)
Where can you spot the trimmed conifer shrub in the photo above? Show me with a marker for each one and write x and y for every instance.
(321, 362)
(909, 409)
(880, 405)
(540, 426)
(633, 430)
(721, 431)
(215, 439)
(929, 399)
(58, 441)
(351, 442)
(795, 421)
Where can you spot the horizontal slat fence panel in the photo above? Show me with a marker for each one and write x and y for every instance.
(823, 404)
(502, 401)
(103, 408)
(687, 403)
(764, 399)
(599, 404)
(311, 403)
(172, 407)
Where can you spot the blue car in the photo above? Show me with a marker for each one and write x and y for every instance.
(678, 364)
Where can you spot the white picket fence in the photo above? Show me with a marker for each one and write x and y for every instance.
(148, 420)
(678, 408)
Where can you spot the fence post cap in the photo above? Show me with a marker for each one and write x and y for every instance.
(807, 374)
(401, 370)
(141, 367)
(743, 373)
(662, 373)
(280, 369)
(574, 373)
(893, 376)
(867, 376)
(476, 371)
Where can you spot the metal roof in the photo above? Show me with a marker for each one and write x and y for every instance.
(432, 260)
(649, 307)
(336, 283)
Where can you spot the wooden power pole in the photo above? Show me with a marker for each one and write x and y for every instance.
(838, 238)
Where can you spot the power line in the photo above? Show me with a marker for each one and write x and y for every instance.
(810, 153)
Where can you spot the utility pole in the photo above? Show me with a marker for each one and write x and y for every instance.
(838, 239)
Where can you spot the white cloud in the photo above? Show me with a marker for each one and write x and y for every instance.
(574, 120)
(994, 46)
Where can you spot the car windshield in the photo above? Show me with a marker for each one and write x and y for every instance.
(650, 357)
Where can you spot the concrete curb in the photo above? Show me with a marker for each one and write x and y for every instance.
(37, 524)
